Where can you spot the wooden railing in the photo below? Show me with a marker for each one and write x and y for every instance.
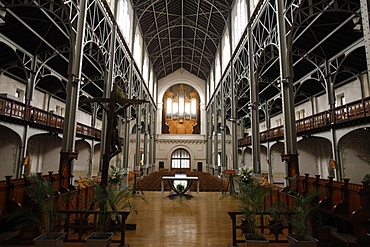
(83, 222)
(349, 114)
(17, 111)
(274, 232)
(13, 197)
(344, 211)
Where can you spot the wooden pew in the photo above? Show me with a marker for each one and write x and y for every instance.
(13, 198)
(345, 208)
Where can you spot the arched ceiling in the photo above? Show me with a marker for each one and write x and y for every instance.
(182, 33)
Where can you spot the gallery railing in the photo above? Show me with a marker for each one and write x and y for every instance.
(346, 115)
(15, 111)
(349, 114)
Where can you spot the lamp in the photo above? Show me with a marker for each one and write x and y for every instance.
(357, 28)
(2, 16)
(357, 21)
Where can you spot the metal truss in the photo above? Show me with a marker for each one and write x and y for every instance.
(301, 18)
(52, 60)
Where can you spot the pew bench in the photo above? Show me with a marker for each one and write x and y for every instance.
(5, 236)
(345, 238)
(346, 229)
(8, 228)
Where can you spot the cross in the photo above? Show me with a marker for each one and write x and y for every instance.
(112, 139)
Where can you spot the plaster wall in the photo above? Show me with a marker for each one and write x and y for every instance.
(9, 145)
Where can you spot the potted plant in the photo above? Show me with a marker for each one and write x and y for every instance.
(298, 215)
(42, 192)
(251, 201)
(107, 199)
(366, 179)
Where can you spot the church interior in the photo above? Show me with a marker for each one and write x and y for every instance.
(189, 105)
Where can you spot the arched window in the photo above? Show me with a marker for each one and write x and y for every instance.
(180, 161)
(124, 20)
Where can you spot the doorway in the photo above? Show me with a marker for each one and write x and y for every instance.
(200, 166)
(180, 161)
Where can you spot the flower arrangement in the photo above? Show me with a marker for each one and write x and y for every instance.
(246, 176)
(115, 174)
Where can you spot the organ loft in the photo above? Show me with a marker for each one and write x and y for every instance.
(181, 111)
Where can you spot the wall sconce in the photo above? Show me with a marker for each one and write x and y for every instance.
(2, 16)
(358, 24)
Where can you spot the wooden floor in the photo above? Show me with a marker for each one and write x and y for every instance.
(162, 222)
(200, 221)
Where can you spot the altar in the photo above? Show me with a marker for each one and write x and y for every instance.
(180, 185)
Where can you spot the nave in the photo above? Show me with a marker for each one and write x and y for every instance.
(201, 221)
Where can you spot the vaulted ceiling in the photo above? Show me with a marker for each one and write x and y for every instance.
(182, 33)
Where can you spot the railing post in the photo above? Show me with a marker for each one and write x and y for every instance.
(344, 191)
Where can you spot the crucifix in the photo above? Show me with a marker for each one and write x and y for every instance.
(115, 106)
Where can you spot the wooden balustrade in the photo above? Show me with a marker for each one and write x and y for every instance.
(272, 230)
(42, 119)
(348, 114)
(83, 222)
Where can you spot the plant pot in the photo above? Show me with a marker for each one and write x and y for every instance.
(251, 241)
(99, 239)
(307, 242)
(52, 239)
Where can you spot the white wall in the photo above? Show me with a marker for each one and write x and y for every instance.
(9, 86)
(314, 155)
(9, 148)
(355, 154)
(44, 151)
(351, 91)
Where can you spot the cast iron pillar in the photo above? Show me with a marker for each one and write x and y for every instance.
(290, 155)
(68, 153)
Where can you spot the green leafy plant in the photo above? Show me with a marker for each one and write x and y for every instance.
(108, 199)
(251, 201)
(45, 214)
(299, 213)
(366, 178)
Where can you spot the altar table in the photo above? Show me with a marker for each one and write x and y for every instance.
(181, 191)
